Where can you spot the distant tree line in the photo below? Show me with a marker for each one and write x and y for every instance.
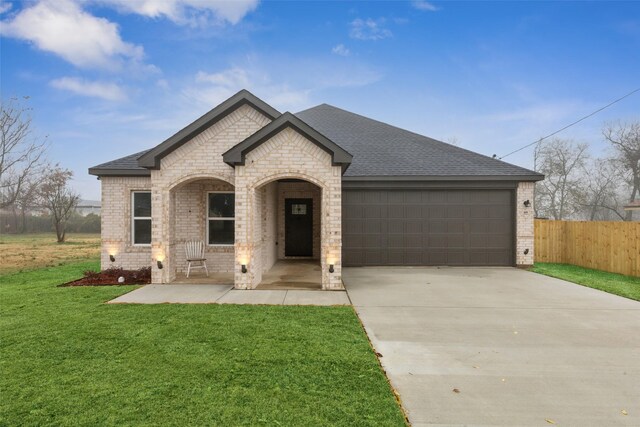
(581, 186)
(14, 223)
(27, 179)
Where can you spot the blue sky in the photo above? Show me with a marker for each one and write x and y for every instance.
(107, 78)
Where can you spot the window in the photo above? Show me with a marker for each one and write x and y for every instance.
(221, 218)
(141, 217)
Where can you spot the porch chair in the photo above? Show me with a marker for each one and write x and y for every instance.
(195, 255)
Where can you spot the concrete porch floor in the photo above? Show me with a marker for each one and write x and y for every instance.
(294, 274)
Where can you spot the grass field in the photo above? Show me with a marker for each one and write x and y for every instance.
(618, 284)
(66, 358)
(27, 251)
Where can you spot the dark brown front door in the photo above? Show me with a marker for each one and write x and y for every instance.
(298, 227)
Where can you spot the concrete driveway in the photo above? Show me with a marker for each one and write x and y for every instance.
(501, 346)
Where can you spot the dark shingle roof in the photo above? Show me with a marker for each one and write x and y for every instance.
(380, 149)
(127, 165)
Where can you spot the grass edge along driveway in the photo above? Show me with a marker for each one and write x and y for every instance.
(613, 283)
(67, 358)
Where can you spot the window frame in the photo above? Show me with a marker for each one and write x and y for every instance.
(134, 218)
(219, 218)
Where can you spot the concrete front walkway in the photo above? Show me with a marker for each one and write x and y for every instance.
(225, 294)
(501, 346)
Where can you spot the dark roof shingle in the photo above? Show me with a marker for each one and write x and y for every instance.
(380, 149)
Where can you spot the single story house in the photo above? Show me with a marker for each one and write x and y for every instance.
(258, 186)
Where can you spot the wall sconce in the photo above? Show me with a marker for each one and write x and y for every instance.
(331, 270)
(526, 251)
(244, 268)
(112, 258)
(527, 203)
(160, 266)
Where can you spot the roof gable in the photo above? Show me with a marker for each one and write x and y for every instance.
(151, 159)
(236, 155)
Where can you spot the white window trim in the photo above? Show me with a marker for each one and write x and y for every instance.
(133, 219)
(218, 218)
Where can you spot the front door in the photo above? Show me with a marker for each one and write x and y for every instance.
(298, 227)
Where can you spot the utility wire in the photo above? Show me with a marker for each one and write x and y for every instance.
(569, 125)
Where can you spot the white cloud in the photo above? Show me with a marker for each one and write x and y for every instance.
(95, 89)
(295, 82)
(191, 12)
(341, 50)
(425, 5)
(4, 6)
(63, 28)
(369, 29)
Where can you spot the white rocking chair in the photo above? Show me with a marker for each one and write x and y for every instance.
(195, 255)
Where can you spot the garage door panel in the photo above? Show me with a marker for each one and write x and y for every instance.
(412, 226)
(413, 211)
(396, 240)
(395, 226)
(428, 227)
(456, 211)
(374, 226)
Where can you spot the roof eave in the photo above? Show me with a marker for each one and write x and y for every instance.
(119, 172)
(152, 158)
(237, 154)
(525, 178)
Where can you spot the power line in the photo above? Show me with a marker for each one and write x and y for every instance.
(574, 123)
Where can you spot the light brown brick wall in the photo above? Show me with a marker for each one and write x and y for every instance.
(116, 223)
(269, 225)
(199, 158)
(190, 223)
(286, 155)
(524, 224)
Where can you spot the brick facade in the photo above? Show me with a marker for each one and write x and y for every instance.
(524, 224)
(179, 204)
(287, 155)
(116, 223)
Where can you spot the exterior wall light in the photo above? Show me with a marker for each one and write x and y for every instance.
(331, 270)
(526, 251)
(160, 266)
(244, 268)
(527, 203)
(112, 258)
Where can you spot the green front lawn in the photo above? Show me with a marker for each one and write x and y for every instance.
(68, 359)
(618, 284)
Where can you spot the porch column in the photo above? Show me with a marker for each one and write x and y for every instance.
(331, 233)
(161, 235)
(246, 252)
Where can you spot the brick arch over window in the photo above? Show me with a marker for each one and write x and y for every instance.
(186, 179)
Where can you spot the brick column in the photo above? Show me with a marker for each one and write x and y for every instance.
(160, 235)
(245, 253)
(524, 224)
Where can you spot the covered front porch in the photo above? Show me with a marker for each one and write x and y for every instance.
(286, 222)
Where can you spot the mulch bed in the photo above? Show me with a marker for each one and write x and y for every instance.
(110, 277)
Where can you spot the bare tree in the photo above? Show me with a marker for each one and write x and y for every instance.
(57, 196)
(561, 161)
(21, 155)
(625, 140)
(601, 194)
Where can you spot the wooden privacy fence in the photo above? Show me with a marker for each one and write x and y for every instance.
(601, 245)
